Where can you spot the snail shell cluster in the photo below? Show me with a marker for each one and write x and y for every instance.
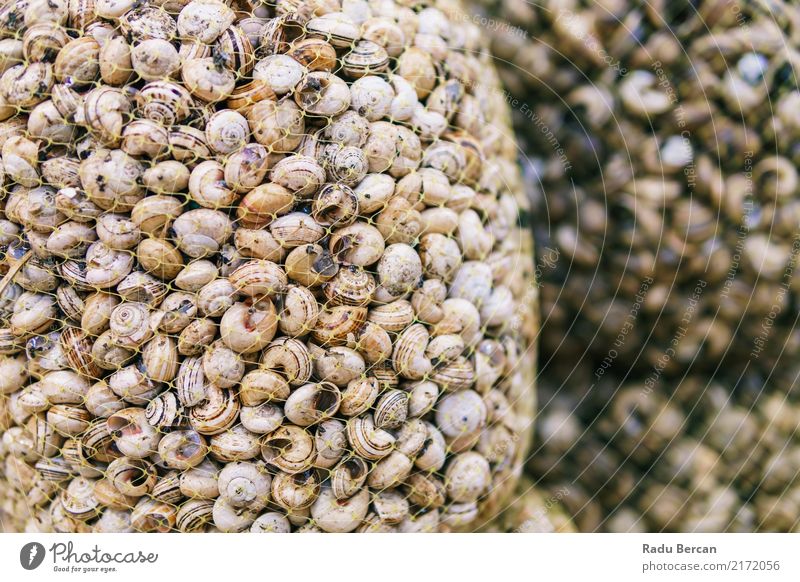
(676, 252)
(260, 274)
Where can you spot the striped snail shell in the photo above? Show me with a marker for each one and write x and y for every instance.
(131, 324)
(348, 477)
(215, 414)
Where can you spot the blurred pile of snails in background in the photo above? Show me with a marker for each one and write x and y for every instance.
(660, 145)
(263, 269)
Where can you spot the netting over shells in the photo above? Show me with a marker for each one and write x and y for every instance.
(264, 269)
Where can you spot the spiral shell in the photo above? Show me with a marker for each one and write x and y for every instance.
(289, 448)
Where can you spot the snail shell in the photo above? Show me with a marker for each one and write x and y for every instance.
(208, 188)
(78, 499)
(47, 124)
(151, 515)
(111, 180)
(160, 358)
(78, 62)
(216, 297)
(271, 522)
(244, 97)
(336, 27)
(312, 403)
(279, 127)
(194, 515)
(246, 168)
(78, 349)
(455, 375)
(391, 507)
(196, 275)
(144, 137)
(315, 54)
(392, 317)
(280, 72)
(107, 354)
(70, 239)
(426, 490)
(391, 409)
(154, 59)
(182, 449)
(104, 111)
(350, 286)
(322, 94)
(190, 384)
(25, 86)
(301, 175)
(227, 131)
(168, 177)
(74, 204)
(357, 244)
(245, 484)
(299, 313)
(167, 488)
(366, 58)
(132, 477)
(259, 386)
(159, 257)
(348, 477)
(146, 22)
(33, 313)
(164, 102)
(409, 357)
(339, 324)
(289, 357)
(204, 20)
(238, 51)
(201, 232)
(131, 324)
(116, 67)
(117, 231)
(258, 278)
(342, 515)
(261, 419)
(390, 471)
(142, 287)
(196, 336)
(335, 205)
(206, 80)
(163, 411)
(132, 434)
(295, 491)
(249, 327)
(223, 367)
(359, 396)
(176, 312)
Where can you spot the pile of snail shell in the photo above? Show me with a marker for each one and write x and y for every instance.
(679, 124)
(719, 455)
(263, 269)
